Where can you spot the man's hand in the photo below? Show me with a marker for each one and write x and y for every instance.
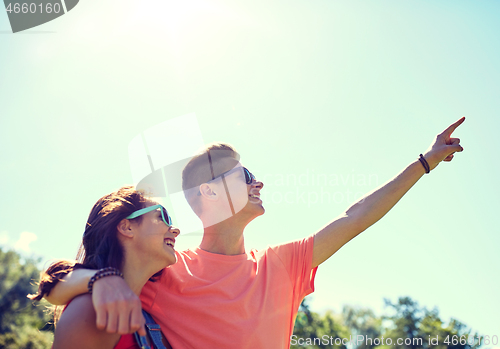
(118, 309)
(444, 146)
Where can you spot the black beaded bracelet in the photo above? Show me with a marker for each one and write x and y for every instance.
(109, 271)
(424, 163)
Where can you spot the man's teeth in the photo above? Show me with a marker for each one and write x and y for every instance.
(169, 243)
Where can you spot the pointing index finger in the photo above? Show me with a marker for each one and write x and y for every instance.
(453, 126)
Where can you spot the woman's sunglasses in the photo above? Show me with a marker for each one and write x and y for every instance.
(164, 214)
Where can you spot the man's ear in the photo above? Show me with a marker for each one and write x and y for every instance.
(124, 227)
(207, 191)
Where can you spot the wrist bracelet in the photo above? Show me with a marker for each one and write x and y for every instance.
(109, 271)
(424, 163)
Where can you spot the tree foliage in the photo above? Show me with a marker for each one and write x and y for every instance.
(409, 320)
(414, 327)
(315, 331)
(22, 323)
(362, 322)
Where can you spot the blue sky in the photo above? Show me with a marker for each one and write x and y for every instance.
(349, 91)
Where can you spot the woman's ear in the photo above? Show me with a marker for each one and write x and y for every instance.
(125, 228)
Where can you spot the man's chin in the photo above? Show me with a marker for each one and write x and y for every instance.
(256, 211)
(262, 210)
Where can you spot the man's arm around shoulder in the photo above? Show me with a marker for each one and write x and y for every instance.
(117, 308)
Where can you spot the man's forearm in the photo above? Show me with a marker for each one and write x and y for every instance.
(117, 307)
(364, 213)
(72, 285)
(376, 204)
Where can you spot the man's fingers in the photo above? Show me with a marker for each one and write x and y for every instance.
(137, 321)
(101, 319)
(112, 323)
(445, 146)
(456, 148)
(452, 127)
(142, 330)
(124, 322)
(114, 302)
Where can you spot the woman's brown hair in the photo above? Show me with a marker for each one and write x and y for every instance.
(100, 246)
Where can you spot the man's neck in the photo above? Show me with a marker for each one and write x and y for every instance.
(223, 238)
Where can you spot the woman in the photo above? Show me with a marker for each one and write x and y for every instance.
(125, 234)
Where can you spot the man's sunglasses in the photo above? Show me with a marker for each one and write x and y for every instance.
(249, 177)
(164, 214)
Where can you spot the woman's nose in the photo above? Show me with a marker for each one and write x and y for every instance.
(175, 230)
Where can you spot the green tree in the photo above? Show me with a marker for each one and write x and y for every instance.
(405, 323)
(362, 322)
(417, 326)
(22, 324)
(412, 325)
(318, 331)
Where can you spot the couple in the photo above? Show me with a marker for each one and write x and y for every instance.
(218, 295)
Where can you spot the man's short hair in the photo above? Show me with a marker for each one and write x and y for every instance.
(204, 167)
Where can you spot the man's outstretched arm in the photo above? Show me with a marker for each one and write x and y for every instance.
(118, 308)
(376, 204)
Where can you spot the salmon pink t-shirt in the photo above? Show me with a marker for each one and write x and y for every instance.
(209, 300)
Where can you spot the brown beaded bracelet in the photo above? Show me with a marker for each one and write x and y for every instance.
(424, 163)
(109, 271)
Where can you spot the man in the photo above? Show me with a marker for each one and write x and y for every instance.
(222, 296)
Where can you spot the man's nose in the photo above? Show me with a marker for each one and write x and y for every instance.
(257, 184)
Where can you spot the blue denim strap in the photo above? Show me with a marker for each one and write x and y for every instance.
(154, 332)
(141, 341)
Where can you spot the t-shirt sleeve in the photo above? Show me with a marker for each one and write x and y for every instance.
(296, 257)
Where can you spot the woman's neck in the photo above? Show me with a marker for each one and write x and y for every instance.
(135, 276)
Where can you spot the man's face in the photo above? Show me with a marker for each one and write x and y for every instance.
(237, 189)
(230, 184)
(230, 190)
(243, 190)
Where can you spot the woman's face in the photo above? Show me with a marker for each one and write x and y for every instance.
(156, 240)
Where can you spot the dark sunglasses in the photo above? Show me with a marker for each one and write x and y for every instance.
(249, 177)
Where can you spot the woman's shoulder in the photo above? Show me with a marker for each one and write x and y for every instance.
(77, 327)
(79, 309)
